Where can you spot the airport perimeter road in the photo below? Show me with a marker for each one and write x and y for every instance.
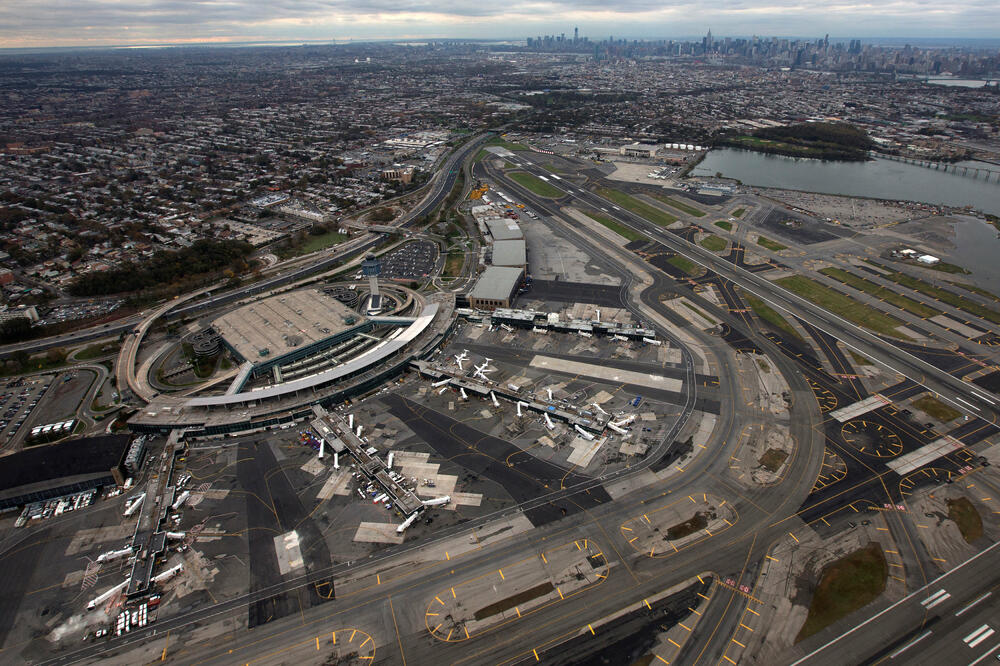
(960, 394)
(939, 623)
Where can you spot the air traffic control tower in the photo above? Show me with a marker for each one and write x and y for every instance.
(372, 268)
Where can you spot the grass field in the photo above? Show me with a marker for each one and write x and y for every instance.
(313, 243)
(882, 293)
(713, 243)
(453, 263)
(679, 205)
(944, 295)
(945, 267)
(641, 208)
(858, 358)
(537, 185)
(503, 143)
(773, 246)
(977, 290)
(683, 263)
(969, 522)
(98, 350)
(769, 314)
(936, 409)
(850, 583)
(619, 229)
(724, 224)
(839, 304)
(738, 212)
(699, 313)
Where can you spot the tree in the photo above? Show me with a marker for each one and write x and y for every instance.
(12, 330)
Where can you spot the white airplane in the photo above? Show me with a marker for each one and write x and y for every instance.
(461, 358)
(481, 370)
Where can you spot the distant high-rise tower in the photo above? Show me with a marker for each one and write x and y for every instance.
(576, 35)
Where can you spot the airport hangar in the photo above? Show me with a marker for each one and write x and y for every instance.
(302, 330)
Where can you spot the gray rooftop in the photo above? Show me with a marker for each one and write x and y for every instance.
(496, 283)
(509, 253)
(267, 329)
(504, 229)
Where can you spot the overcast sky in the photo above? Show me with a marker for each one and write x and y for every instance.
(35, 23)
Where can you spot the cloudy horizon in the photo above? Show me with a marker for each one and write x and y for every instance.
(53, 23)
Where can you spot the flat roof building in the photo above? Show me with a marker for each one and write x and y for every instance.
(496, 287)
(294, 324)
(638, 150)
(504, 229)
(511, 253)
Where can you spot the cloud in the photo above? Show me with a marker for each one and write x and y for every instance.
(64, 22)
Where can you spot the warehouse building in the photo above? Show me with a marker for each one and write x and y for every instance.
(496, 287)
(510, 253)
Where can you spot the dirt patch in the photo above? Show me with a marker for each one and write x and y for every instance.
(690, 526)
(969, 522)
(850, 583)
(513, 601)
(773, 459)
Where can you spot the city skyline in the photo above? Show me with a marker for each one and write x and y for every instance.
(34, 24)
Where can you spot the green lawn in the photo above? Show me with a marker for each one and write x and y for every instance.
(699, 313)
(840, 304)
(97, 351)
(641, 208)
(771, 245)
(679, 205)
(882, 293)
(944, 295)
(936, 409)
(536, 185)
(313, 243)
(619, 229)
(768, 314)
(977, 290)
(453, 262)
(850, 583)
(713, 243)
(738, 212)
(724, 224)
(683, 263)
(503, 143)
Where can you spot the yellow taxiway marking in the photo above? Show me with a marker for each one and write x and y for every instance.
(543, 558)
(591, 629)
(771, 558)
(500, 571)
(560, 593)
(378, 579)
(535, 652)
(453, 593)
(439, 600)
(794, 537)
(693, 611)
(676, 644)
(738, 643)
(700, 580)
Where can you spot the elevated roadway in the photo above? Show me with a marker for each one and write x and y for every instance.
(438, 190)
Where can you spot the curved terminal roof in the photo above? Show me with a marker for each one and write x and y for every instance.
(376, 354)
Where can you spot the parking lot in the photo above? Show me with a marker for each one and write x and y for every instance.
(411, 261)
(17, 400)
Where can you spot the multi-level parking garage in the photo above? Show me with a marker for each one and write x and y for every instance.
(301, 349)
